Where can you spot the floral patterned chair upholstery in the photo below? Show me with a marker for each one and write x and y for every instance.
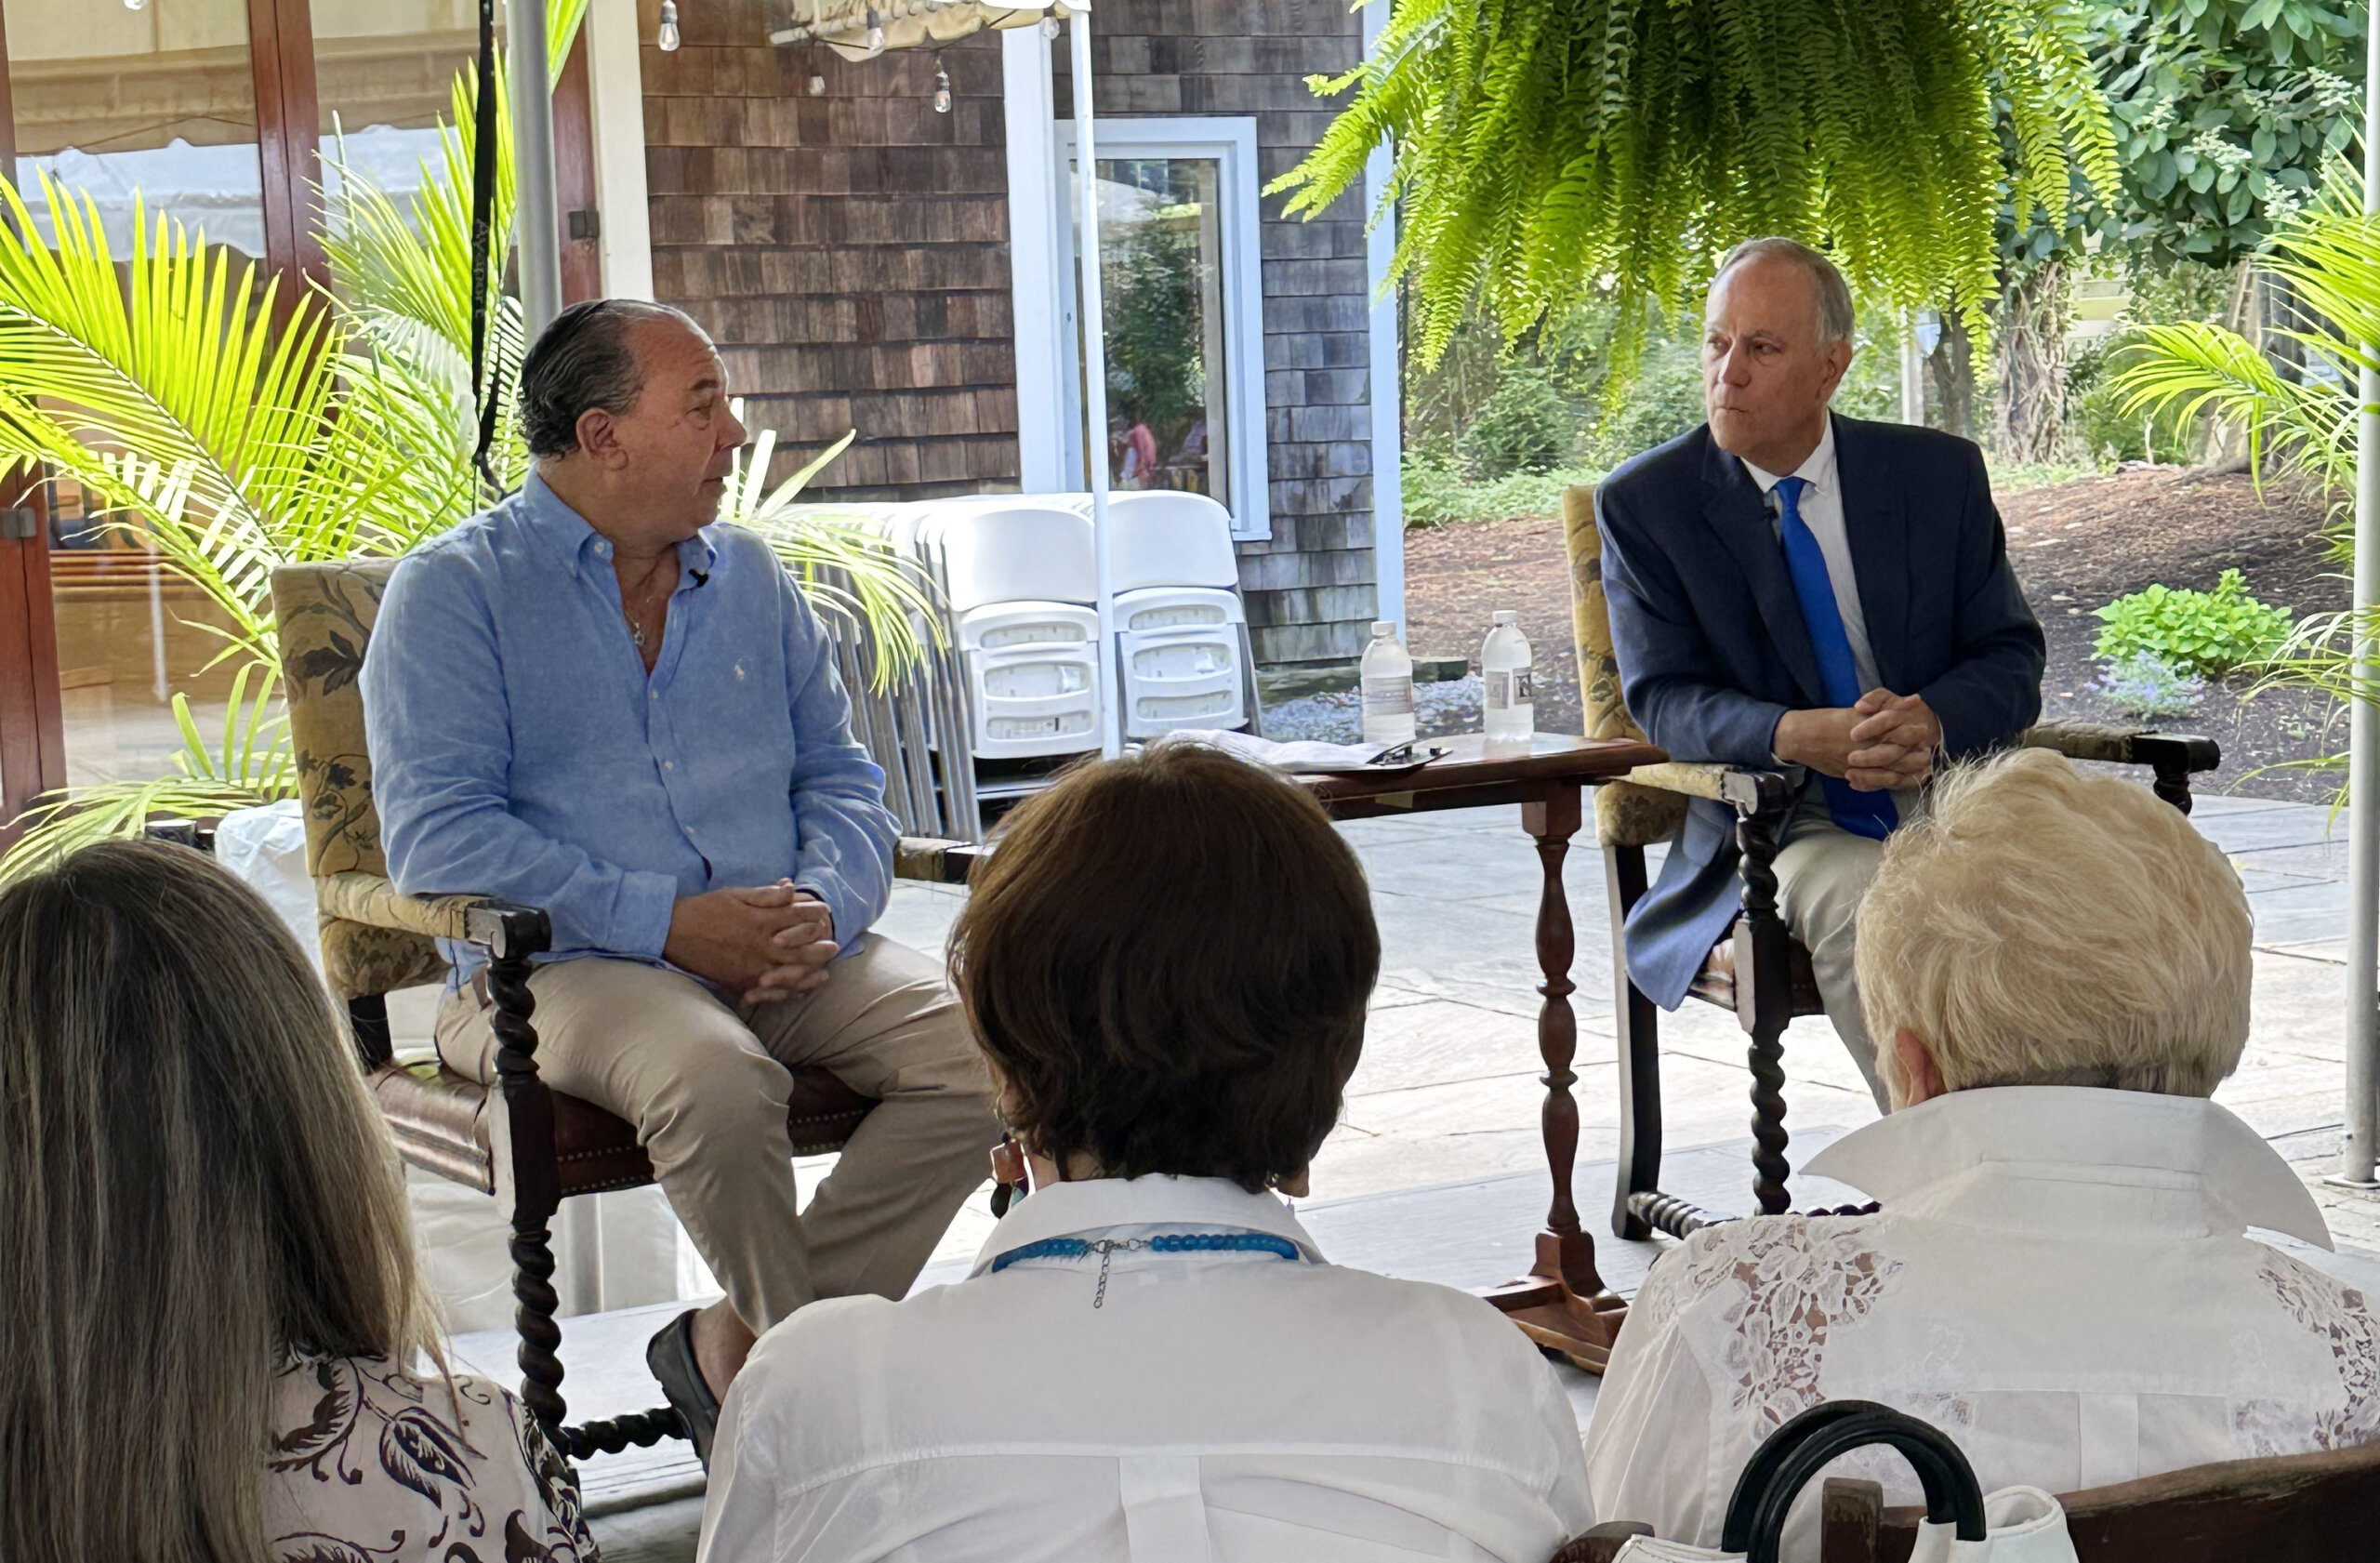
(527, 1144)
(1759, 971)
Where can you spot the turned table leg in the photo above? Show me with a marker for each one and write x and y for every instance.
(1564, 1249)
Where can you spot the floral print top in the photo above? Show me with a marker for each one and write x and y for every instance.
(371, 1465)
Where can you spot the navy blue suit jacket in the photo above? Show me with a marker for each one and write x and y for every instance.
(1712, 649)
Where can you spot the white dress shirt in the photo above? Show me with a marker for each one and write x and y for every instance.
(2059, 1280)
(1231, 1406)
(1821, 511)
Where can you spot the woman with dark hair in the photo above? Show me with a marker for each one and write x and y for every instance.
(1167, 964)
(214, 1344)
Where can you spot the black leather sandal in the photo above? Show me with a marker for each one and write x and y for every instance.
(670, 1355)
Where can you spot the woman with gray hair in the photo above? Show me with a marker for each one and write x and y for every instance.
(214, 1344)
(2056, 967)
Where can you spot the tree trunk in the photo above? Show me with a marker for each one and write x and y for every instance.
(2031, 410)
(1952, 372)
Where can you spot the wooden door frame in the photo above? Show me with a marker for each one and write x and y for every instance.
(32, 720)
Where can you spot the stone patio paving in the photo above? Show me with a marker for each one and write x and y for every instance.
(1438, 1171)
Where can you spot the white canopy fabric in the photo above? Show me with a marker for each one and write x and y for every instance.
(841, 25)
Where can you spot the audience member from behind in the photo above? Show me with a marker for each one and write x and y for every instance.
(2057, 965)
(213, 1336)
(1167, 963)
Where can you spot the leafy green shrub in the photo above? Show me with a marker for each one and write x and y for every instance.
(1526, 426)
(1436, 494)
(2202, 633)
(1664, 401)
(2099, 420)
(2143, 686)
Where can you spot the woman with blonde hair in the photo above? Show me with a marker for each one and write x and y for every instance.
(2056, 970)
(212, 1324)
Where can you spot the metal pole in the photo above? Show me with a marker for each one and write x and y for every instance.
(536, 236)
(536, 225)
(2363, 742)
(1095, 381)
(1912, 371)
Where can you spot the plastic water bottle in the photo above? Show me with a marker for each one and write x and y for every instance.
(1512, 699)
(1388, 688)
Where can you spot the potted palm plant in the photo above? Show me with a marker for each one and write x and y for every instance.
(240, 430)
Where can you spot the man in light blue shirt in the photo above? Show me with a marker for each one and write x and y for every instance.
(595, 699)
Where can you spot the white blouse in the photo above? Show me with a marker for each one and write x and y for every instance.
(371, 1465)
(1222, 1406)
(2059, 1280)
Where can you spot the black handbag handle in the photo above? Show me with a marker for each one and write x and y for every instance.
(1799, 1451)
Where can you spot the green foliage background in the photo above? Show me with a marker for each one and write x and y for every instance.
(1548, 150)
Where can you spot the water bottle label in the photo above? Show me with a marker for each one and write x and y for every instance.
(1508, 687)
(1388, 697)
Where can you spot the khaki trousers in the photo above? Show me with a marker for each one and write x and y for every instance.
(705, 1085)
(1822, 871)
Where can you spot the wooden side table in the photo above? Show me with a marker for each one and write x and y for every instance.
(1563, 1302)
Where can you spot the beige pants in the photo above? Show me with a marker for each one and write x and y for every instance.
(706, 1084)
(1822, 871)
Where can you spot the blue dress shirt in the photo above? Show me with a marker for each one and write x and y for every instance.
(520, 749)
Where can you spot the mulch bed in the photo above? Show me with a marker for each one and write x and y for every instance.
(2076, 545)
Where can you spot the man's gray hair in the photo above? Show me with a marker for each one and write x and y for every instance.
(583, 362)
(1836, 320)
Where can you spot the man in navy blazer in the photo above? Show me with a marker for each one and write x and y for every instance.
(1794, 588)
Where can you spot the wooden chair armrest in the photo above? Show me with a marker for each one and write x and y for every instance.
(933, 860)
(502, 928)
(2181, 753)
(1745, 790)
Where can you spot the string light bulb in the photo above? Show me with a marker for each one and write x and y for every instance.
(941, 88)
(135, 5)
(667, 37)
(818, 85)
(1049, 27)
(874, 34)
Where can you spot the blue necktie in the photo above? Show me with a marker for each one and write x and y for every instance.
(1863, 813)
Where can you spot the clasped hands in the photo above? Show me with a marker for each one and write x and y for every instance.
(1881, 744)
(761, 942)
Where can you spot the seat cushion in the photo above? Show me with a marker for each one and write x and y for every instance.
(441, 1121)
(1715, 982)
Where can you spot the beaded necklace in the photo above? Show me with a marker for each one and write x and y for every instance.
(1183, 1242)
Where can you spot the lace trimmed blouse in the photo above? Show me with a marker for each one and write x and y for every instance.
(2060, 1279)
(371, 1465)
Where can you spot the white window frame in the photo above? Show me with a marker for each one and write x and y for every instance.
(1231, 140)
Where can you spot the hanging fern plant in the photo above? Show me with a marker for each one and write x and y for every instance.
(1546, 148)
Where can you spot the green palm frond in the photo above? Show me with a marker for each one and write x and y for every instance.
(251, 766)
(851, 572)
(2195, 367)
(1547, 149)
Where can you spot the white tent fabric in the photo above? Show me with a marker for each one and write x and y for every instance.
(841, 25)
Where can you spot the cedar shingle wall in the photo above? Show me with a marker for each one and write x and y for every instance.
(848, 252)
(850, 255)
(1311, 591)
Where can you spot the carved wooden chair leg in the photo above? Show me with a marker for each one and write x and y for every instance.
(527, 1170)
(1639, 1054)
(1763, 952)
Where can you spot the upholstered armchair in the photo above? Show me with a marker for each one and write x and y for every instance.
(526, 1145)
(1758, 971)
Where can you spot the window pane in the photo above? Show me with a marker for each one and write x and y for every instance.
(112, 101)
(160, 100)
(132, 635)
(384, 75)
(1161, 248)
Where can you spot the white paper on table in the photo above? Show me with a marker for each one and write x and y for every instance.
(1306, 757)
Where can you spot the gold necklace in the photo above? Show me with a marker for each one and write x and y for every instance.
(637, 630)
